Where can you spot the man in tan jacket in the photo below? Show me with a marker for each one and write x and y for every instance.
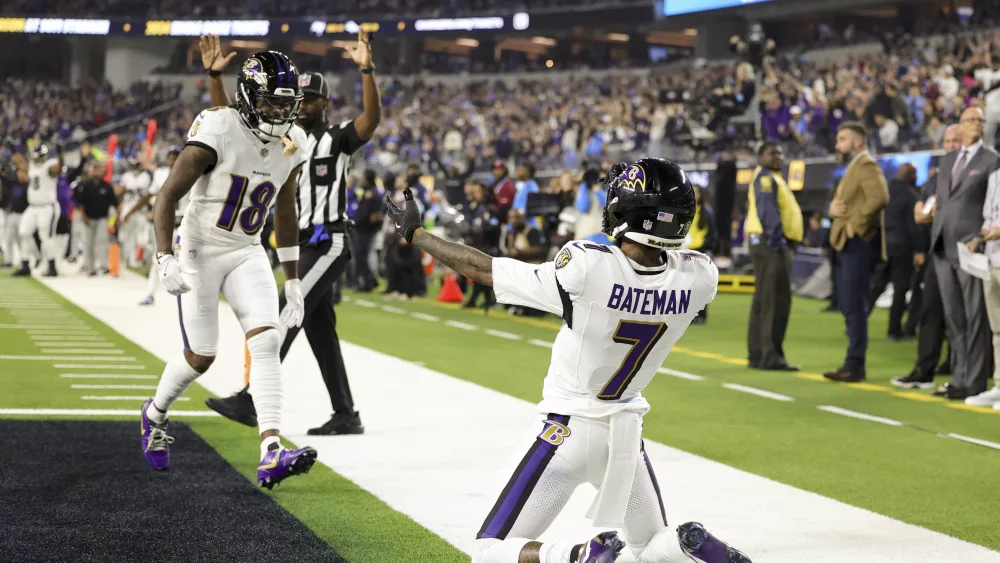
(858, 236)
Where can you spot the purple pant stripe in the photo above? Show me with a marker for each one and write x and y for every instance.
(656, 485)
(520, 486)
(52, 223)
(180, 312)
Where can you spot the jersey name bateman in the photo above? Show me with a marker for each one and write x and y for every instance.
(649, 301)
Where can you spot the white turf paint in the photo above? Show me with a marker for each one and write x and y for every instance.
(758, 392)
(541, 343)
(80, 351)
(80, 344)
(60, 328)
(389, 309)
(985, 443)
(123, 398)
(461, 325)
(860, 415)
(50, 340)
(96, 412)
(423, 317)
(106, 376)
(71, 358)
(99, 366)
(460, 453)
(502, 334)
(681, 374)
(130, 387)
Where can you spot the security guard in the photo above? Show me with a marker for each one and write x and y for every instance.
(773, 228)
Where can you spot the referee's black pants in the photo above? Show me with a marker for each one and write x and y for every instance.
(320, 265)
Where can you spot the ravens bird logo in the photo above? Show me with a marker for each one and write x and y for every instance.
(254, 70)
(633, 178)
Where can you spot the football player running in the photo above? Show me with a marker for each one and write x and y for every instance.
(623, 308)
(236, 162)
(43, 210)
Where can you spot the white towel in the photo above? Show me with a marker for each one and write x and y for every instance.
(624, 443)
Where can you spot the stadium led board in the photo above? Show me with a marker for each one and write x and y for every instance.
(678, 7)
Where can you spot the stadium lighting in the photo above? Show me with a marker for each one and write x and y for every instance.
(544, 41)
(618, 37)
(549, 63)
(466, 42)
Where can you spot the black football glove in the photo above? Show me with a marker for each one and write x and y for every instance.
(406, 220)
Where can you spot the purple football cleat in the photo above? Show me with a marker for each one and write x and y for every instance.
(702, 546)
(280, 464)
(155, 442)
(147, 301)
(604, 548)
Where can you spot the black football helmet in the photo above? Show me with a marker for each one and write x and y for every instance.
(268, 93)
(40, 153)
(650, 201)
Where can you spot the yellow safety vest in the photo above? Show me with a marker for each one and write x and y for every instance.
(697, 236)
(788, 207)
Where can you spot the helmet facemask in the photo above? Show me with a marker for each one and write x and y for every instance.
(272, 115)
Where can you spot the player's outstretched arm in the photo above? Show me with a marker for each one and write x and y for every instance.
(191, 164)
(215, 62)
(366, 123)
(468, 261)
(56, 169)
(286, 224)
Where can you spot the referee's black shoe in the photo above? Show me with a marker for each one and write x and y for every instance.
(238, 407)
(342, 422)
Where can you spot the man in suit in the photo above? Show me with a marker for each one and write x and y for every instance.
(925, 302)
(857, 234)
(901, 236)
(958, 218)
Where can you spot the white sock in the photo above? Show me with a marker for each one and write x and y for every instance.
(664, 547)
(496, 551)
(265, 378)
(177, 377)
(265, 444)
(555, 552)
(152, 280)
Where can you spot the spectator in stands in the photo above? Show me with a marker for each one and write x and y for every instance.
(816, 235)
(95, 199)
(367, 220)
(526, 184)
(857, 236)
(901, 235)
(773, 227)
(504, 190)
(526, 243)
(484, 224)
(960, 197)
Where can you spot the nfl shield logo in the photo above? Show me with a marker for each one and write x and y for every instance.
(321, 170)
(647, 224)
(264, 152)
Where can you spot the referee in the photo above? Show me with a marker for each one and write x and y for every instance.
(323, 237)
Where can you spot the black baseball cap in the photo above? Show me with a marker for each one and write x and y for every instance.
(314, 83)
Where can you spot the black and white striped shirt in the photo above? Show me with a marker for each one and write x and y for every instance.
(322, 185)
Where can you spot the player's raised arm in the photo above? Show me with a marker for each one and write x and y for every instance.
(56, 168)
(191, 164)
(366, 123)
(465, 260)
(215, 62)
(286, 234)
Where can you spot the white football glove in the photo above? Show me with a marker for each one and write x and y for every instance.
(295, 304)
(171, 275)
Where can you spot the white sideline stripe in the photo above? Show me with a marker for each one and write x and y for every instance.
(30, 306)
(98, 366)
(502, 334)
(95, 412)
(80, 344)
(49, 340)
(365, 303)
(133, 387)
(976, 441)
(425, 317)
(758, 392)
(80, 351)
(459, 485)
(106, 376)
(541, 343)
(681, 374)
(860, 415)
(461, 325)
(32, 327)
(391, 309)
(71, 358)
(124, 398)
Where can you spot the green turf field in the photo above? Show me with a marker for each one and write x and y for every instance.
(911, 471)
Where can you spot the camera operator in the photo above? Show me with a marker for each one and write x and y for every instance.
(482, 216)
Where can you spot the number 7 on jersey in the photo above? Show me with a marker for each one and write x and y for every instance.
(641, 337)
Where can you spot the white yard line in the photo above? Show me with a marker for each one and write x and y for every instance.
(758, 392)
(80, 344)
(106, 376)
(133, 387)
(458, 485)
(365, 303)
(461, 325)
(70, 358)
(541, 343)
(98, 366)
(96, 412)
(681, 374)
(976, 441)
(49, 340)
(859, 415)
(502, 334)
(123, 398)
(80, 351)
(425, 317)
(391, 309)
(47, 327)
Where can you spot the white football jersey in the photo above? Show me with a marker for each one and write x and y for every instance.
(230, 202)
(42, 186)
(136, 184)
(621, 320)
